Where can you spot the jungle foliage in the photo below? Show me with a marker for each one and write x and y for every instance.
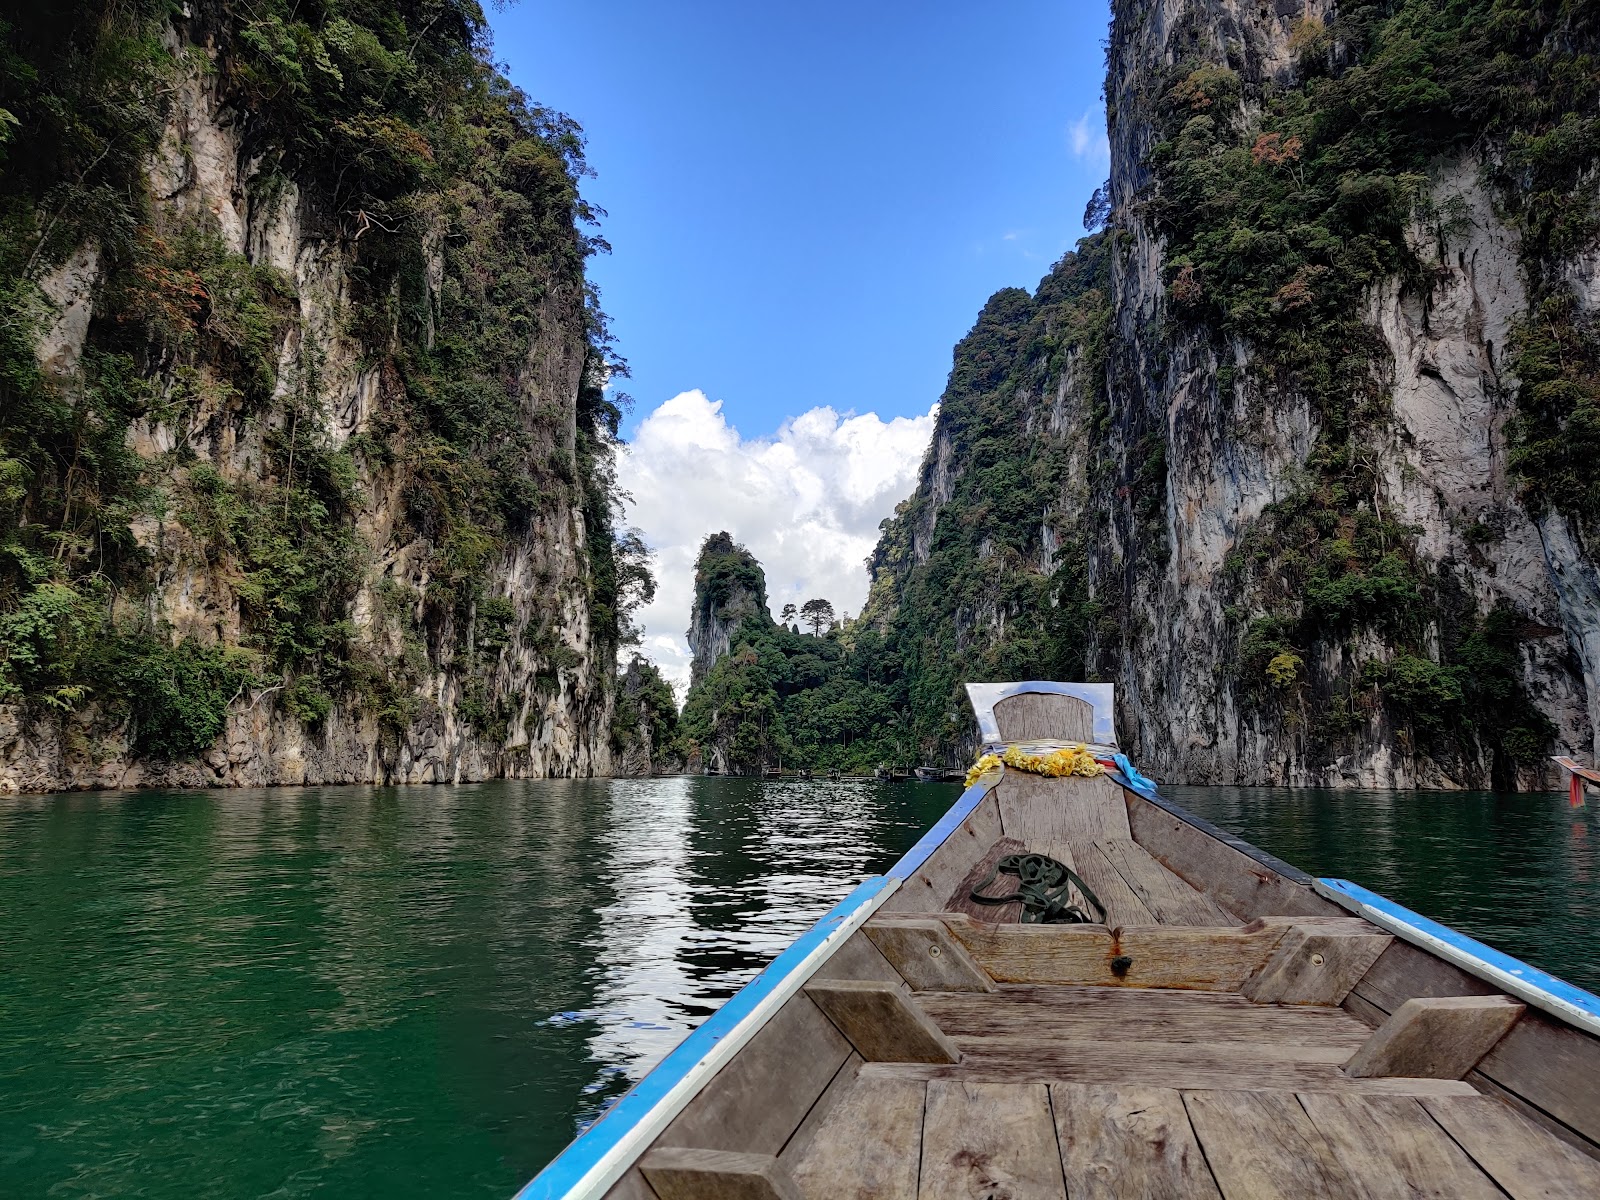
(388, 120)
(1285, 209)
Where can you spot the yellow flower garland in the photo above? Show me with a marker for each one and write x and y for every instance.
(1068, 760)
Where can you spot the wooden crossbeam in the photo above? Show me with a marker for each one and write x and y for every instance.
(882, 1022)
(1317, 964)
(680, 1173)
(1154, 956)
(926, 956)
(1435, 1037)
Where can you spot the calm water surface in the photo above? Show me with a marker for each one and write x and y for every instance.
(424, 992)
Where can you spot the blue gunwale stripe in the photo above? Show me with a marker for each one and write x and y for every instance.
(574, 1165)
(1556, 996)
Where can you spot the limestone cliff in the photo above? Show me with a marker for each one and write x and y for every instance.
(305, 445)
(1291, 450)
(730, 588)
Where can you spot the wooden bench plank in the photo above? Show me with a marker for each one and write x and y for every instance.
(1126, 1064)
(1040, 811)
(1392, 1147)
(1172, 900)
(870, 1146)
(881, 1021)
(1124, 1143)
(1160, 956)
(990, 1139)
(1263, 1144)
(1438, 1037)
(1081, 1014)
(1317, 964)
(1522, 1158)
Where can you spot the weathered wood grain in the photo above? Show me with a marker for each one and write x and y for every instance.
(1127, 1143)
(1522, 1158)
(1316, 964)
(1186, 1067)
(1172, 900)
(858, 958)
(960, 898)
(1044, 717)
(800, 1140)
(1539, 1117)
(988, 1139)
(870, 1146)
(1039, 810)
(881, 1021)
(1554, 1067)
(1127, 1014)
(1542, 1062)
(757, 1101)
(684, 1173)
(1391, 1147)
(922, 951)
(1402, 971)
(1123, 906)
(1263, 1144)
(1160, 956)
(1241, 885)
(929, 886)
(1437, 1037)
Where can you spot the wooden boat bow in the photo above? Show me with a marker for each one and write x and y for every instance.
(1233, 1028)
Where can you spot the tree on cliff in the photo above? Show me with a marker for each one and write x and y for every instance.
(818, 614)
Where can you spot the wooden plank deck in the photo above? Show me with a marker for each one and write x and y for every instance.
(901, 1138)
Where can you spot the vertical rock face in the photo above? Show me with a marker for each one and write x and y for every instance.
(729, 589)
(364, 529)
(1281, 469)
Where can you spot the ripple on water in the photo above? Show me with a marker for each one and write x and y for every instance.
(426, 991)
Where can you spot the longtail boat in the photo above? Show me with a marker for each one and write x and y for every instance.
(1221, 1024)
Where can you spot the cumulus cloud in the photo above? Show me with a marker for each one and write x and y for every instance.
(1087, 136)
(806, 501)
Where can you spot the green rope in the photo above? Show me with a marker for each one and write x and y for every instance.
(1044, 887)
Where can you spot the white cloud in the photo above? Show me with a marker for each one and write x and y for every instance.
(806, 502)
(1087, 136)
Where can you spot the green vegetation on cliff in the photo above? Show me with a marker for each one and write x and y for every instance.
(453, 201)
(1285, 208)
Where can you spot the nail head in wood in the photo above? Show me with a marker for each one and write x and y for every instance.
(1317, 964)
(681, 1173)
(1435, 1037)
(883, 1023)
(926, 956)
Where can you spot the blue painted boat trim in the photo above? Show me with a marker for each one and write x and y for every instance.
(1516, 976)
(958, 812)
(570, 1168)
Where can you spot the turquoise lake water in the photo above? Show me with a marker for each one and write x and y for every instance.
(425, 991)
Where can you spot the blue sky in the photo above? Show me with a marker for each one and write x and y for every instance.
(810, 202)
(808, 205)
